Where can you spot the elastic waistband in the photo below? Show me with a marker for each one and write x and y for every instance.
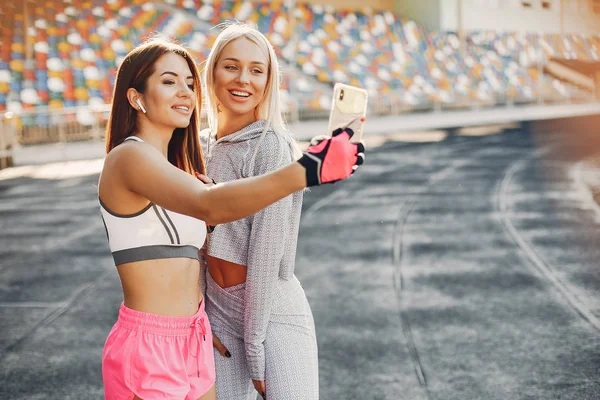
(231, 293)
(159, 324)
(228, 300)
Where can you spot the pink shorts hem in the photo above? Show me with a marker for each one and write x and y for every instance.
(153, 356)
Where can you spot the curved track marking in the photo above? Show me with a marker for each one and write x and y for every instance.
(500, 199)
(403, 213)
(397, 240)
(329, 199)
(80, 293)
(576, 173)
(39, 250)
(334, 195)
(325, 201)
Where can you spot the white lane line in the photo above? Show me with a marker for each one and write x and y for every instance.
(32, 304)
(404, 212)
(500, 199)
(312, 210)
(56, 205)
(52, 244)
(583, 188)
(336, 194)
(80, 294)
(55, 170)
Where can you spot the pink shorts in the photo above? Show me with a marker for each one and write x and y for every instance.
(158, 357)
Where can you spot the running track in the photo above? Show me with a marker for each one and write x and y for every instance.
(461, 269)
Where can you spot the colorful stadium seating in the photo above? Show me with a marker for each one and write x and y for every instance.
(65, 53)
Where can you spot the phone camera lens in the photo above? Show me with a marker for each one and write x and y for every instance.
(342, 94)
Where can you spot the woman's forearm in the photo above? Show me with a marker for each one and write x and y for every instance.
(328, 160)
(238, 199)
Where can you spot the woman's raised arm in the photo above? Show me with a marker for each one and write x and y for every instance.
(145, 171)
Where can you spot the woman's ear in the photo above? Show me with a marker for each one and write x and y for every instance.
(135, 100)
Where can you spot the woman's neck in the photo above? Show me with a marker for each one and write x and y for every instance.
(157, 137)
(229, 124)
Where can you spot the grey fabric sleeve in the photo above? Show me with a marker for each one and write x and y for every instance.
(268, 236)
(203, 269)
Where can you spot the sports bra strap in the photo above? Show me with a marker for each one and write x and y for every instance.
(137, 139)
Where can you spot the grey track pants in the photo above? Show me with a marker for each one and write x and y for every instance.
(291, 371)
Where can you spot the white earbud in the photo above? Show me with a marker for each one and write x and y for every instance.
(139, 103)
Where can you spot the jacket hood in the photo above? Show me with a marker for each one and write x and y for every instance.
(247, 133)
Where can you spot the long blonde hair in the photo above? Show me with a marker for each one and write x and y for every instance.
(269, 108)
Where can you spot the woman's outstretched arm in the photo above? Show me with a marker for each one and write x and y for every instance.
(143, 170)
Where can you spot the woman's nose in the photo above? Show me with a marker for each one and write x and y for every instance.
(185, 91)
(243, 76)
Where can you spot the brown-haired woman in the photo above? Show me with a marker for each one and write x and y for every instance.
(155, 211)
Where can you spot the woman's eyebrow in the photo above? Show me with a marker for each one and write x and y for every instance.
(236, 60)
(174, 74)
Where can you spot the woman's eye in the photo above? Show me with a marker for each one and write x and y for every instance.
(230, 67)
(169, 82)
(191, 86)
(257, 71)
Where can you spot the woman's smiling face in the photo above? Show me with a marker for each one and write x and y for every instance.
(169, 98)
(240, 77)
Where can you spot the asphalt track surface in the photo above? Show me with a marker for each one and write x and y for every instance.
(461, 269)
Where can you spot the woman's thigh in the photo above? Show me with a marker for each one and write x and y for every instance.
(292, 371)
(233, 379)
(210, 395)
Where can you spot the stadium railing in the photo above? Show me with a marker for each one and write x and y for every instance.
(7, 140)
(71, 124)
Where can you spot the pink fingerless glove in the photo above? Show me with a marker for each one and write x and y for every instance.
(331, 159)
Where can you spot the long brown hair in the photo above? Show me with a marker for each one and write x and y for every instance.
(184, 147)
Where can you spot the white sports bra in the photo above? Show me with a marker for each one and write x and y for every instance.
(152, 233)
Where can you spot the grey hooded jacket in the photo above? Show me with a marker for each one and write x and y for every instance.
(264, 242)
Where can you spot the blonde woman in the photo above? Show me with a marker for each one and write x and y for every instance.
(257, 307)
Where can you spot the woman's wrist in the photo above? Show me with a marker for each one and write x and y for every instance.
(299, 175)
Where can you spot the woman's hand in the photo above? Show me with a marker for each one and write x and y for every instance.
(220, 347)
(209, 182)
(261, 388)
(330, 159)
(205, 179)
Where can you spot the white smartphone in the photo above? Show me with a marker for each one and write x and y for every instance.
(348, 106)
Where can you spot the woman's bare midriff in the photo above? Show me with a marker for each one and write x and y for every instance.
(226, 273)
(164, 287)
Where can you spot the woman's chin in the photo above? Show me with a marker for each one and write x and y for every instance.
(182, 123)
(183, 126)
(240, 111)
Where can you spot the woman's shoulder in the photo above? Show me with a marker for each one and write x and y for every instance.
(126, 148)
(131, 153)
(273, 151)
(274, 143)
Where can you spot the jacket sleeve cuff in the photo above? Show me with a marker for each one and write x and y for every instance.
(256, 363)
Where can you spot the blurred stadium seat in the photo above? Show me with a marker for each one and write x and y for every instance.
(64, 54)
